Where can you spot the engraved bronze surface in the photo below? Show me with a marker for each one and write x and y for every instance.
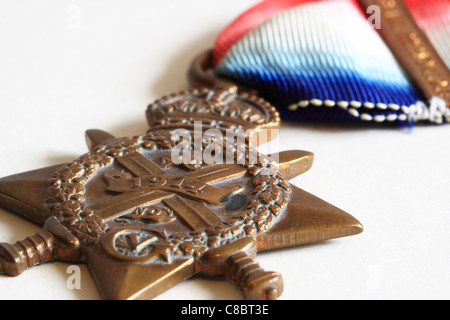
(412, 48)
(143, 223)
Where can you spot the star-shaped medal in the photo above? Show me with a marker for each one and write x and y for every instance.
(147, 212)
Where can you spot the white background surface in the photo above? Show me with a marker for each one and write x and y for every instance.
(69, 66)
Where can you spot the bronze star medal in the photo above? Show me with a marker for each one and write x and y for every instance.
(143, 222)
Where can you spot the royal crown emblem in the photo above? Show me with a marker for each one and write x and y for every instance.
(177, 201)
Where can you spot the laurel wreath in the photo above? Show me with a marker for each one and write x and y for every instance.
(66, 192)
(66, 198)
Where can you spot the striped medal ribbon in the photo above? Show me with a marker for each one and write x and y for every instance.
(340, 60)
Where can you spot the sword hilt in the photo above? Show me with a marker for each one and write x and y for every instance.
(34, 250)
(236, 260)
(54, 242)
(255, 283)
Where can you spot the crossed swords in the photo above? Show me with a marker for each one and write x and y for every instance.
(178, 196)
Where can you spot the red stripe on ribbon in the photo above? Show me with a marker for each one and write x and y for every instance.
(251, 19)
(430, 14)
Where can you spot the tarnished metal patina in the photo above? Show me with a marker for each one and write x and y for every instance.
(143, 222)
